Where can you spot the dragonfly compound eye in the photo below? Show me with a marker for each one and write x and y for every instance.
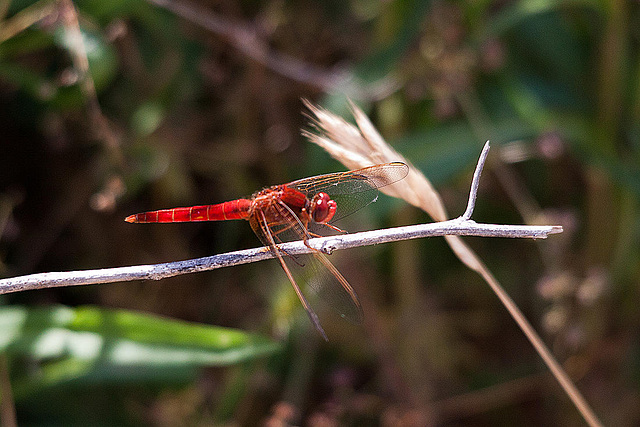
(323, 208)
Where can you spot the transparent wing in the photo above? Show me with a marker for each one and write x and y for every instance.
(353, 181)
(352, 190)
(324, 279)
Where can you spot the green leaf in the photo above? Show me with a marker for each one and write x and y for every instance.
(123, 338)
(85, 346)
(147, 118)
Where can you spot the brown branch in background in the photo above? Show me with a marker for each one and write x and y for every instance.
(67, 16)
(247, 40)
(4, 8)
(78, 52)
(25, 18)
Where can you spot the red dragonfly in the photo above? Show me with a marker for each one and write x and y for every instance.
(287, 211)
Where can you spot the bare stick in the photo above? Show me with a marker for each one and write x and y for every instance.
(462, 226)
(475, 183)
(326, 244)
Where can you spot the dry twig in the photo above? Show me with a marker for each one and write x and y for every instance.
(459, 226)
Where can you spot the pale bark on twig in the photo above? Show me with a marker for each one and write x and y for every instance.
(326, 244)
(462, 226)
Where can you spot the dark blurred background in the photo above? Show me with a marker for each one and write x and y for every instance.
(200, 102)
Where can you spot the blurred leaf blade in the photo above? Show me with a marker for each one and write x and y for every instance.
(122, 337)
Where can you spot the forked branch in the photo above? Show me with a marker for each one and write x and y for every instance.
(462, 226)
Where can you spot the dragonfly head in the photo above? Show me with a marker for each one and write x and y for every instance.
(322, 208)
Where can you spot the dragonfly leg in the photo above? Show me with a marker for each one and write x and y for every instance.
(266, 232)
(285, 228)
(333, 227)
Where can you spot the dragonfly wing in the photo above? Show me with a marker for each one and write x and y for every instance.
(331, 286)
(261, 228)
(352, 190)
(353, 181)
(323, 277)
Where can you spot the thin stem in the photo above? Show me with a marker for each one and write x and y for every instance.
(326, 244)
(478, 120)
(554, 366)
(78, 53)
(25, 18)
(247, 40)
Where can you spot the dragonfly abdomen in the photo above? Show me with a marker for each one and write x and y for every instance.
(235, 209)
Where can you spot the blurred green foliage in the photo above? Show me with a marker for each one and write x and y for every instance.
(199, 103)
